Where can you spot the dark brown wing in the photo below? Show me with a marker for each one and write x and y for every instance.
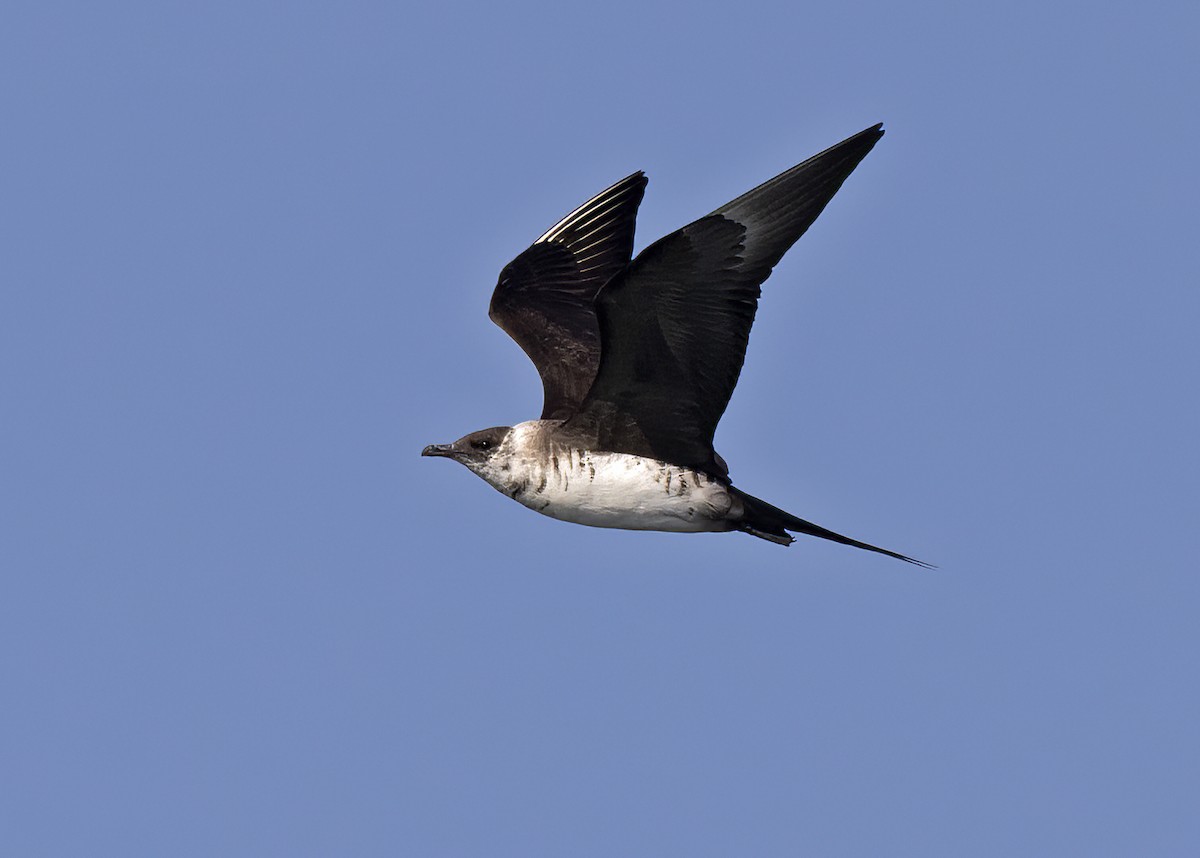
(545, 296)
(675, 324)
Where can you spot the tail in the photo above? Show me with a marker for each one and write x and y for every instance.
(771, 523)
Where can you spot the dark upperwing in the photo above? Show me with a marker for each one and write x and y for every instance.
(545, 297)
(674, 325)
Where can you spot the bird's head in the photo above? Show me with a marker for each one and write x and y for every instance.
(472, 450)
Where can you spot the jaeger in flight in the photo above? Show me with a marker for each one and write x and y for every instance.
(638, 358)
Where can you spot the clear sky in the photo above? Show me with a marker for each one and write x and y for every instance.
(246, 250)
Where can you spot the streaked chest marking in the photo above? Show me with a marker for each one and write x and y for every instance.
(613, 490)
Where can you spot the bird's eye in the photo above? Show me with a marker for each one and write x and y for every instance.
(481, 444)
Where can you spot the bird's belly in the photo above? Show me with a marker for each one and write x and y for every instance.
(623, 491)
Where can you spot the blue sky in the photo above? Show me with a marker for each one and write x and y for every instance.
(247, 253)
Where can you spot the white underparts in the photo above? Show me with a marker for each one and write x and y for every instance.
(606, 489)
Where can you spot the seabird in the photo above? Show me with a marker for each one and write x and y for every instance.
(638, 358)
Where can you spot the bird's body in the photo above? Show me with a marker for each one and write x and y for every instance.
(639, 356)
(535, 466)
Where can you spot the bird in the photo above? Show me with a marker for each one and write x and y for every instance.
(638, 358)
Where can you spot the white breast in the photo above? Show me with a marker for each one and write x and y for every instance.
(607, 489)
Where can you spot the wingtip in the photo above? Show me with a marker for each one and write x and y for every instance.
(873, 133)
(636, 177)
